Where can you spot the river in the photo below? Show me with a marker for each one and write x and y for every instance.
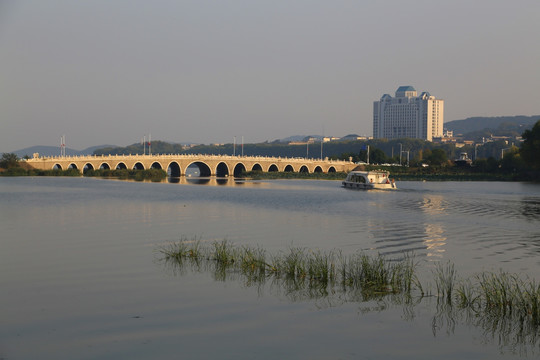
(82, 276)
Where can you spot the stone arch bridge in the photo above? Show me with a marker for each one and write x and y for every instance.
(177, 165)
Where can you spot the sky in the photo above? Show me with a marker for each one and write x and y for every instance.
(110, 72)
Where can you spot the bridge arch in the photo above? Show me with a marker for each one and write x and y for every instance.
(88, 166)
(256, 167)
(304, 169)
(121, 166)
(138, 166)
(318, 169)
(288, 168)
(73, 166)
(239, 169)
(156, 165)
(173, 170)
(203, 169)
(273, 168)
(104, 166)
(222, 170)
(331, 169)
(57, 167)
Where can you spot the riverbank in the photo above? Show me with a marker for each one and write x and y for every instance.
(401, 173)
(122, 174)
(403, 176)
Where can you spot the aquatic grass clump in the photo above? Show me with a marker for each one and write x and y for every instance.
(507, 295)
(379, 275)
(300, 267)
(183, 249)
(499, 293)
(503, 304)
(293, 264)
(494, 294)
(321, 267)
(445, 281)
(252, 259)
(224, 253)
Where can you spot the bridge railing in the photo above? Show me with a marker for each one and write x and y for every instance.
(185, 156)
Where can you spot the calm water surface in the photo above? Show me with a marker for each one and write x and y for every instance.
(81, 276)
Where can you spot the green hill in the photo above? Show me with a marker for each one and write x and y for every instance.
(503, 125)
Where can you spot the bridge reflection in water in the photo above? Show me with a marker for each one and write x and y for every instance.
(215, 181)
(206, 165)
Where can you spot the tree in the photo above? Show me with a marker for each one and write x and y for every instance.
(436, 157)
(9, 160)
(530, 150)
(512, 161)
(377, 156)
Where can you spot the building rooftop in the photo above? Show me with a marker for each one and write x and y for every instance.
(405, 88)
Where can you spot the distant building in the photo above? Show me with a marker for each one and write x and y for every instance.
(355, 137)
(330, 138)
(408, 116)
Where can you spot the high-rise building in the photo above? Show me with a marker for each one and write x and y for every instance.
(408, 116)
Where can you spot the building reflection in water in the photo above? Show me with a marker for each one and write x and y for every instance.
(417, 230)
(435, 239)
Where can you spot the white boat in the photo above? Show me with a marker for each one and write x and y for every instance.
(463, 160)
(366, 180)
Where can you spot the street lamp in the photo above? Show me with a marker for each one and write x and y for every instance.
(502, 152)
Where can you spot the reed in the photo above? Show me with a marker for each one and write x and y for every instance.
(177, 250)
(467, 295)
(507, 295)
(445, 281)
(499, 302)
(252, 260)
(294, 263)
(379, 275)
(224, 253)
(319, 269)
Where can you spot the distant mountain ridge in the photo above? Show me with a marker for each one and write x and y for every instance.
(472, 128)
(482, 123)
(55, 151)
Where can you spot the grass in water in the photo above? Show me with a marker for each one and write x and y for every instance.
(374, 275)
(500, 303)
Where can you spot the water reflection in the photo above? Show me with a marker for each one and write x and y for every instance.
(512, 335)
(212, 181)
(435, 240)
(433, 204)
(530, 208)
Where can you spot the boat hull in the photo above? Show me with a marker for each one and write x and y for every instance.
(362, 186)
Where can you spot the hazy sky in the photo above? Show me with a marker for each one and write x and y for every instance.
(109, 72)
